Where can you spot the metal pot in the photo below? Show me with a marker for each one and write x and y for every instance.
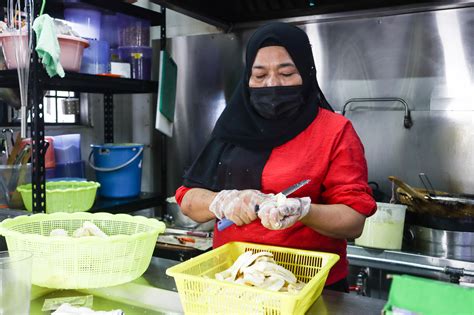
(183, 221)
(443, 204)
(452, 238)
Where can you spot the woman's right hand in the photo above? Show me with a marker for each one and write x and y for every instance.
(237, 205)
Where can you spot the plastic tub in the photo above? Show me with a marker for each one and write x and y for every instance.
(201, 293)
(67, 148)
(86, 22)
(133, 31)
(67, 196)
(72, 49)
(71, 169)
(139, 59)
(12, 176)
(7, 41)
(85, 262)
(384, 229)
(96, 58)
(49, 158)
(109, 31)
(118, 169)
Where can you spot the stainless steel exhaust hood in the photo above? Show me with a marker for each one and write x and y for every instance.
(229, 13)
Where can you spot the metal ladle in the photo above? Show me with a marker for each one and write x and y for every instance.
(447, 201)
(427, 184)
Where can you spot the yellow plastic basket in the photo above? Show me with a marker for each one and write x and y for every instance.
(200, 293)
(87, 262)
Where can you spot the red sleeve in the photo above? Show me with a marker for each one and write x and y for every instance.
(346, 180)
(180, 192)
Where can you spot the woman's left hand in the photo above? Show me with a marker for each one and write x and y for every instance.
(278, 215)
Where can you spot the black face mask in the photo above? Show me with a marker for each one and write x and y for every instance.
(277, 102)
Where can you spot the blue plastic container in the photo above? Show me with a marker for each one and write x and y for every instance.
(139, 59)
(67, 148)
(67, 179)
(109, 30)
(95, 59)
(118, 169)
(71, 169)
(85, 21)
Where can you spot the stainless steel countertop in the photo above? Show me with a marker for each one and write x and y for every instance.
(155, 293)
(406, 262)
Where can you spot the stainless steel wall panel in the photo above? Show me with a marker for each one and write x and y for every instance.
(209, 67)
(425, 58)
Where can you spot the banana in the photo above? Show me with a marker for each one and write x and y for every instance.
(260, 270)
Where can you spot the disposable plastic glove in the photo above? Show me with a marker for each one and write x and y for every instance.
(237, 205)
(281, 213)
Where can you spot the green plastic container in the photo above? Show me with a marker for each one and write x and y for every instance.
(63, 196)
(413, 295)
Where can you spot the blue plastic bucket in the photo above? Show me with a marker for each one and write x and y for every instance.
(118, 169)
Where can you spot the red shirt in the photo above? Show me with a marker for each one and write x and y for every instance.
(328, 152)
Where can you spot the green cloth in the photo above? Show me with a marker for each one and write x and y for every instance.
(47, 45)
(425, 296)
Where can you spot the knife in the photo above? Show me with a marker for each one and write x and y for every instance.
(225, 223)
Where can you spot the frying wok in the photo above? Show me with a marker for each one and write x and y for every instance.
(11, 97)
(443, 204)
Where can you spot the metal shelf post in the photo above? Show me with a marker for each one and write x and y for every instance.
(37, 136)
(164, 151)
(108, 118)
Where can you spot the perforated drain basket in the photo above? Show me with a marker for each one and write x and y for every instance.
(201, 293)
(89, 262)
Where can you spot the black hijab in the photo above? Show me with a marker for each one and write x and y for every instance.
(242, 140)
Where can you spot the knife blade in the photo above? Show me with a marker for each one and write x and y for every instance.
(295, 187)
(225, 223)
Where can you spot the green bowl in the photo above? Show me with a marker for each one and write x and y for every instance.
(63, 196)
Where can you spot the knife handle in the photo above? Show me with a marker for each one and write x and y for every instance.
(225, 223)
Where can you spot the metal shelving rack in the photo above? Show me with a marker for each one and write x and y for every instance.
(78, 82)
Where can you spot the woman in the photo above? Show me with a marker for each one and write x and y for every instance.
(277, 130)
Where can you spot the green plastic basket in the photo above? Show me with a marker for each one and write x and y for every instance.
(89, 262)
(63, 196)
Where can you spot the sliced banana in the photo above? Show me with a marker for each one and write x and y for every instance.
(273, 283)
(252, 258)
(88, 229)
(231, 273)
(93, 229)
(260, 270)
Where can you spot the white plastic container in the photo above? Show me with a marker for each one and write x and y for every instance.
(385, 228)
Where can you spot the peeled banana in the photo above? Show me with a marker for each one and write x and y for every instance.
(260, 270)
